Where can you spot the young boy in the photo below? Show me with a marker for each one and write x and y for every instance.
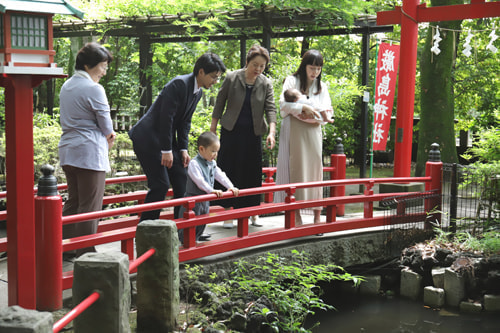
(202, 172)
(294, 96)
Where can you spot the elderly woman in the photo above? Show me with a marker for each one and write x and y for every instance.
(246, 110)
(87, 136)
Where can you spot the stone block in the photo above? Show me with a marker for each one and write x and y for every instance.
(371, 285)
(434, 297)
(411, 284)
(15, 319)
(107, 273)
(438, 277)
(454, 287)
(492, 303)
(158, 277)
(470, 307)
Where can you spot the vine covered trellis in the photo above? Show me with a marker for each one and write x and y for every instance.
(263, 23)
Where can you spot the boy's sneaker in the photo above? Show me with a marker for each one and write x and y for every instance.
(228, 225)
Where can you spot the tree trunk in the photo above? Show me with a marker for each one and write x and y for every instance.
(436, 93)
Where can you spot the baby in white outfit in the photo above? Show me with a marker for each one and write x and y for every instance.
(295, 96)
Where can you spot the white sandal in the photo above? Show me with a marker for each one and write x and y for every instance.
(254, 220)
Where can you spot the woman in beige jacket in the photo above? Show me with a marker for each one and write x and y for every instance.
(246, 109)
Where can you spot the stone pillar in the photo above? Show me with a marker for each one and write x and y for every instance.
(434, 297)
(454, 287)
(411, 284)
(492, 303)
(15, 319)
(108, 274)
(158, 277)
(438, 277)
(371, 285)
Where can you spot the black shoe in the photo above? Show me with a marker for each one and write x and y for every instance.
(204, 237)
(69, 256)
(319, 235)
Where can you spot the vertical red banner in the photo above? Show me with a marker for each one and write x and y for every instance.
(385, 86)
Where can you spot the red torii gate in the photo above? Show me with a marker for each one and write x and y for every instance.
(409, 15)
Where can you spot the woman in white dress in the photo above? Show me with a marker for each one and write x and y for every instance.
(301, 144)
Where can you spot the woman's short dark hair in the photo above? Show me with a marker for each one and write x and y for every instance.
(209, 62)
(313, 58)
(91, 55)
(206, 139)
(257, 50)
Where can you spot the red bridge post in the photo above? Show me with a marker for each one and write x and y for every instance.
(269, 181)
(434, 169)
(48, 226)
(338, 160)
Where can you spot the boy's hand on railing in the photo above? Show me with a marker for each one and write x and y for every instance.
(218, 193)
(235, 191)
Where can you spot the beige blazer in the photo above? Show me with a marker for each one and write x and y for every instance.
(232, 95)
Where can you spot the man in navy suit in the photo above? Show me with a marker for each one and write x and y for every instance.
(160, 137)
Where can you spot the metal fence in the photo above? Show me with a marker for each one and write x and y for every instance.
(407, 217)
(408, 210)
(471, 201)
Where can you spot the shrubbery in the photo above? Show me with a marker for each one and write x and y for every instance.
(274, 294)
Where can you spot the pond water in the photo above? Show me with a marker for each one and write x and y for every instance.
(380, 314)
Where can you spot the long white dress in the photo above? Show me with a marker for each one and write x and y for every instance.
(301, 144)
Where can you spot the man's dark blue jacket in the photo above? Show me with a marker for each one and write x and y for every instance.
(167, 123)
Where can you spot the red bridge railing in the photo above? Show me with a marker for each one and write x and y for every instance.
(113, 230)
(243, 238)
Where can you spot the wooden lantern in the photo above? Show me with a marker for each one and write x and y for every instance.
(26, 35)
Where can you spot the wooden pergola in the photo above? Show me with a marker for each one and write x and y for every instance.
(263, 24)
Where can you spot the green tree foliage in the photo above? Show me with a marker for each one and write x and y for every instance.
(341, 71)
(46, 135)
(486, 172)
(477, 95)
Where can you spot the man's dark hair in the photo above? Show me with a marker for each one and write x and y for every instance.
(209, 62)
(92, 54)
(206, 139)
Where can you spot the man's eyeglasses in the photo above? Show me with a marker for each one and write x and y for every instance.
(215, 77)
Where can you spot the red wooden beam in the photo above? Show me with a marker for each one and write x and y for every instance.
(477, 9)
(389, 17)
(458, 12)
